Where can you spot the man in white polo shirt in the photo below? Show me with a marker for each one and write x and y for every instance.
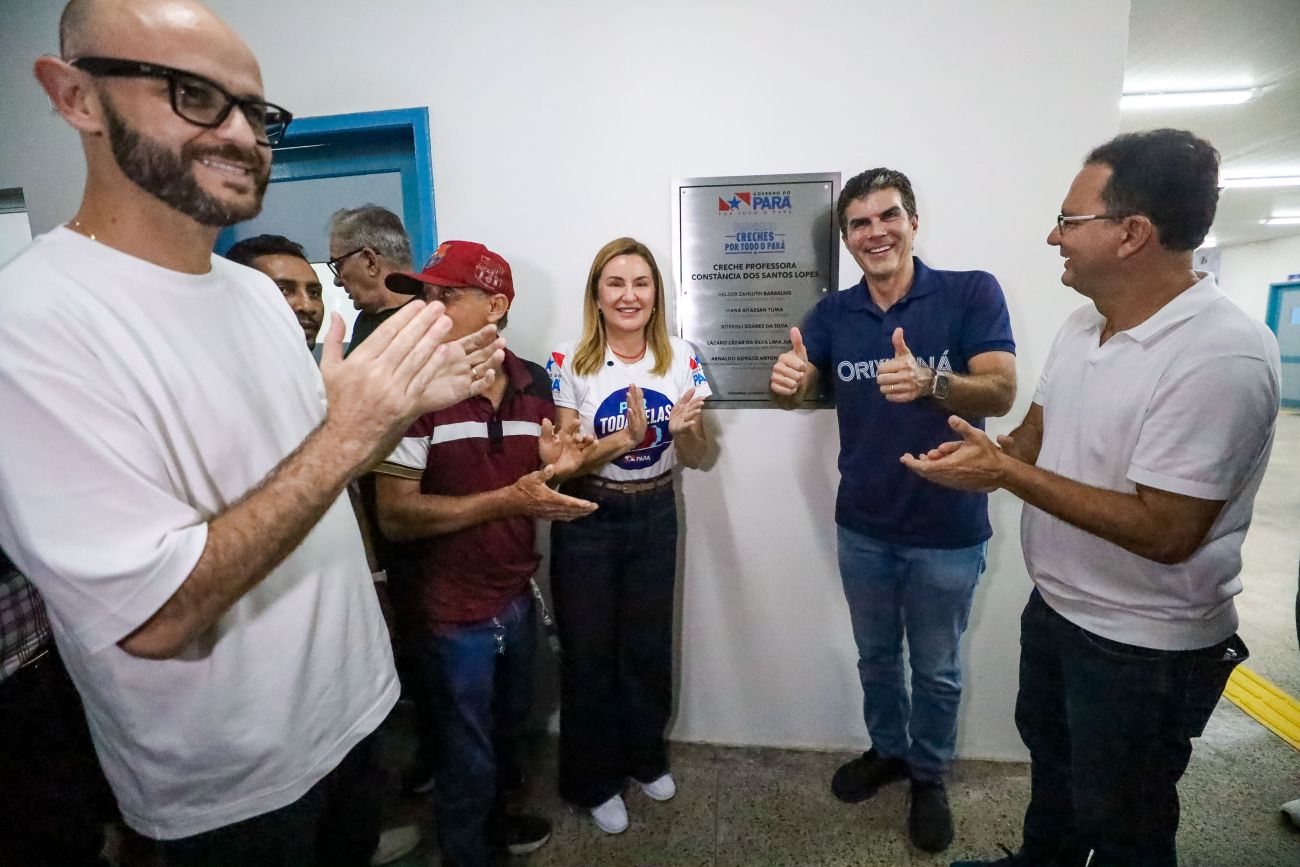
(1138, 463)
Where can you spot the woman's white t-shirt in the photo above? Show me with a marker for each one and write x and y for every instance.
(601, 402)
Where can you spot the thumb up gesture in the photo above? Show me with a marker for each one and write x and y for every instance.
(903, 379)
(792, 368)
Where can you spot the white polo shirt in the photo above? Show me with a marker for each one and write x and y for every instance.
(1184, 402)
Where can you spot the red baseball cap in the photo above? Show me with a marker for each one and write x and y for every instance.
(458, 263)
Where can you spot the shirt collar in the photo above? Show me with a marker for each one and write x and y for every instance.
(1180, 308)
(516, 372)
(923, 283)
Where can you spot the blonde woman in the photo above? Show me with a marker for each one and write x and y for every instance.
(640, 392)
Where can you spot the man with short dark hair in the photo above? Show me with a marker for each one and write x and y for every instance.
(1138, 462)
(287, 265)
(366, 245)
(203, 574)
(466, 486)
(909, 554)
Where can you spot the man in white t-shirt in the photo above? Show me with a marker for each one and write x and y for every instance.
(1138, 463)
(170, 477)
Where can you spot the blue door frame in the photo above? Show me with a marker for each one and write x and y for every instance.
(341, 145)
(1273, 317)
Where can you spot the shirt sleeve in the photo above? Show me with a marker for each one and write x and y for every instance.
(986, 326)
(90, 513)
(1206, 427)
(694, 376)
(411, 456)
(564, 385)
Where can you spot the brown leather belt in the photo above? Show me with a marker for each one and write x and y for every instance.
(658, 483)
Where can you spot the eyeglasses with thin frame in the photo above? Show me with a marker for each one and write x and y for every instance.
(337, 262)
(448, 294)
(196, 99)
(1062, 220)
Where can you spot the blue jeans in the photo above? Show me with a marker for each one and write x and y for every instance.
(924, 594)
(1109, 728)
(480, 679)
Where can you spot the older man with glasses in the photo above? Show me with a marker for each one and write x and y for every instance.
(203, 574)
(366, 245)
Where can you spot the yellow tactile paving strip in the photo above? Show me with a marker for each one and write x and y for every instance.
(1270, 706)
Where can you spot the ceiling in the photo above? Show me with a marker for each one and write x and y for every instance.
(1182, 45)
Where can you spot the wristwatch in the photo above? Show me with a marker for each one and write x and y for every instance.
(939, 384)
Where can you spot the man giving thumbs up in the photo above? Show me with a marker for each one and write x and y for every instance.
(901, 351)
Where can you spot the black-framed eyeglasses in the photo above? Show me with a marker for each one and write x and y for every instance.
(1062, 220)
(199, 100)
(337, 262)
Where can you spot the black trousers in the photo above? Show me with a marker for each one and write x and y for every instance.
(53, 796)
(335, 824)
(613, 577)
(1109, 728)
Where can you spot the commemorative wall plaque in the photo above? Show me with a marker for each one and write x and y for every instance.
(753, 255)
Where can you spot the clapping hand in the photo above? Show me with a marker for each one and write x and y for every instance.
(636, 418)
(564, 448)
(687, 413)
(972, 463)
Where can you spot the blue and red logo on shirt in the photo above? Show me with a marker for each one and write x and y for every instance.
(611, 417)
(553, 365)
(697, 373)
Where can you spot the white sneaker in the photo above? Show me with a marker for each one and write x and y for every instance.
(611, 816)
(395, 843)
(661, 789)
(1292, 810)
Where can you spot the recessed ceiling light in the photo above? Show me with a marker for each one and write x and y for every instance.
(1277, 181)
(1186, 99)
(1281, 221)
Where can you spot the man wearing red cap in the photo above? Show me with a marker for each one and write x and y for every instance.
(466, 485)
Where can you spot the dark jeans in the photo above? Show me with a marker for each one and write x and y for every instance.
(1109, 728)
(336, 824)
(480, 678)
(612, 577)
(53, 796)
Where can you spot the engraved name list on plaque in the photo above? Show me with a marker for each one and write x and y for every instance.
(753, 255)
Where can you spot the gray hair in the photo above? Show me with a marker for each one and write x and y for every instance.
(374, 227)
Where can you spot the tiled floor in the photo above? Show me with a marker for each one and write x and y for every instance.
(768, 808)
(773, 808)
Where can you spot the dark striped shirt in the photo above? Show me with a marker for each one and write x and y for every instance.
(471, 448)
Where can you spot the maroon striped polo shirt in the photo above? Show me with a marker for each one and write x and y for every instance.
(470, 448)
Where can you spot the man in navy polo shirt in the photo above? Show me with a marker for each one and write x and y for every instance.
(466, 484)
(901, 351)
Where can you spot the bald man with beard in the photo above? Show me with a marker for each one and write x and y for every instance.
(172, 462)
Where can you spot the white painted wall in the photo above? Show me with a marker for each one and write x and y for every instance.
(556, 127)
(1246, 271)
